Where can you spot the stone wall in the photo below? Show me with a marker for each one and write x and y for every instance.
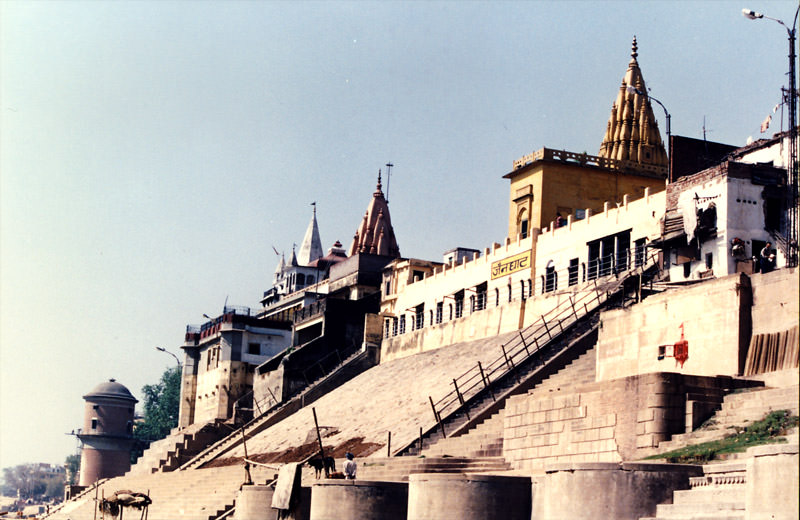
(608, 421)
(712, 316)
(776, 301)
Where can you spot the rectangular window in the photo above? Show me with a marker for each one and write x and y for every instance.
(254, 348)
(94, 423)
(573, 271)
(639, 252)
(394, 326)
(403, 324)
(459, 297)
(439, 311)
(481, 296)
(419, 316)
(550, 279)
(709, 260)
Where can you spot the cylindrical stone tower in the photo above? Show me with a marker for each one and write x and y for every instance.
(107, 434)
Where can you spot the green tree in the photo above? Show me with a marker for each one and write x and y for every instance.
(161, 402)
(72, 464)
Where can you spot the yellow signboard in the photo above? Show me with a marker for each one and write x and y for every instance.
(511, 265)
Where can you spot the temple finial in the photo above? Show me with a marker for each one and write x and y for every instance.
(634, 48)
(379, 179)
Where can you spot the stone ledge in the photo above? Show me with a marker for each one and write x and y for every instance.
(773, 449)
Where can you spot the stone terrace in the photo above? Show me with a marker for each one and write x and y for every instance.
(389, 397)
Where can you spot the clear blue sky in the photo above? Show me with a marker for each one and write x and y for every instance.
(153, 153)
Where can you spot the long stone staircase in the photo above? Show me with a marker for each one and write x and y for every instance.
(170, 452)
(397, 469)
(202, 494)
(349, 368)
(528, 358)
(485, 439)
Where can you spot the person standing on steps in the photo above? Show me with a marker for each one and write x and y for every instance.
(350, 467)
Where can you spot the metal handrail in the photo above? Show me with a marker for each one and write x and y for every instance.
(530, 341)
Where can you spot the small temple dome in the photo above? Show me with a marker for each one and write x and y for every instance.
(111, 389)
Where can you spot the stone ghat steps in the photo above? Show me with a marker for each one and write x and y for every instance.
(397, 469)
(718, 495)
(738, 410)
(166, 454)
(179, 495)
(275, 414)
(486, 438)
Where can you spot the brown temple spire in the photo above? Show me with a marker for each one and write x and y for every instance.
(632, 131)
(375, 234)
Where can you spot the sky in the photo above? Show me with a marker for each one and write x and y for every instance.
(152, 154)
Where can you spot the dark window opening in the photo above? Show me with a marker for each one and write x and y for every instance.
(523, 228)
(94, 423)
(773, 208)
(639, 252)
(572, 272)
(254, 348)
(403, 324)
(687, 269)
(419, 316)
(550, 279)
(481, 296)
(709, 260)
(439, 311)
(459, 297)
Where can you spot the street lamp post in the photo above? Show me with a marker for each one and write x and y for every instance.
(792, 195)
(634, 90)
(162, 349)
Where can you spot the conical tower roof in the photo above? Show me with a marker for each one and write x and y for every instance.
(375, 235)
(311, 248)
(632, 131)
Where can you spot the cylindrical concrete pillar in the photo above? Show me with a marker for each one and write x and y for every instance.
(255, 503)
(623, 491)
(437, 496)
(359, 500)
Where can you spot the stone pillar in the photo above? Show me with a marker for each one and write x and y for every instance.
(772, 482)
(433, 496)
(623, 491)
(359, 500)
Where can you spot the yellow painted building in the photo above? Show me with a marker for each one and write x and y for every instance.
(549, 182)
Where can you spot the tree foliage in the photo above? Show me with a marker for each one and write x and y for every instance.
(161, 402)
(72, 464)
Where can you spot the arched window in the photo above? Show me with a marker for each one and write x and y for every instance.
(522, 289)
(301, 279)
(530, 287)
(496, 297)
(522, 223)
(509, 290)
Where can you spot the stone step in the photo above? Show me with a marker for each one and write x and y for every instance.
(704, 494)
(700, 508)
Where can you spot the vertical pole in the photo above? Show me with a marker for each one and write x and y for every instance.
(485, 382)
(247, 478)
(389, 445)
(522, 338)
(460, 398)
(319, 440)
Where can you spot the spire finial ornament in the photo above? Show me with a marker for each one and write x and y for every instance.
(634, 48)
(379, 179)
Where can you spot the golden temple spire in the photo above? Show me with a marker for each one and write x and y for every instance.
(632, 131)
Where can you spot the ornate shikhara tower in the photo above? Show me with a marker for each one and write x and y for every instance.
(632, 131)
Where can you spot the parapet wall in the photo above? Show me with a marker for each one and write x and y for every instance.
(713, 317)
